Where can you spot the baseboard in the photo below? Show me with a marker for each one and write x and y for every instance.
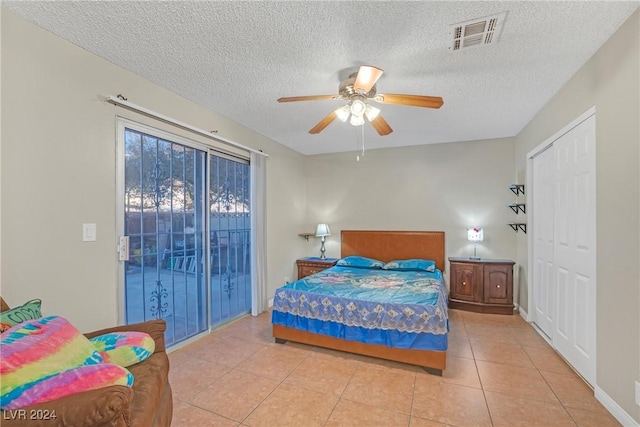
(618, 413)
(611, 405)
(523, 314)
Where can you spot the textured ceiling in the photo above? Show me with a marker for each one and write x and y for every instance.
(237, 58)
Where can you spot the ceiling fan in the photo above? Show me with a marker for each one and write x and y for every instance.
(359, 88)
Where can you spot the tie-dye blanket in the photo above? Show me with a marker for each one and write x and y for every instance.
(48, 358)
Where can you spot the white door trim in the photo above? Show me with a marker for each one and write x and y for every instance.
(549, 141)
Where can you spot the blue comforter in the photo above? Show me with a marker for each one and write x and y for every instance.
(406, 309)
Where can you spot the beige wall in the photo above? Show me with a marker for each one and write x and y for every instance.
(610, 81)
(443, 187)
(59, 171)
(0, 152)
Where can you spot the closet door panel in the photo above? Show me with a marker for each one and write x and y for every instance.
(574, 250)
(543, 235)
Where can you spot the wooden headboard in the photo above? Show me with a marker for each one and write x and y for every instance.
(390, 245)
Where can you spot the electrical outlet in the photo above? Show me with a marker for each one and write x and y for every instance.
(286, 280)
(637, 393)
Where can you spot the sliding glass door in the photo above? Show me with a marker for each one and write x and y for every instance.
(230, 227)
(186, 217)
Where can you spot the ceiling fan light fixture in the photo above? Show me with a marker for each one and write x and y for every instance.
(358, 107)
(356, 120)
(371, 112)
(343, 113)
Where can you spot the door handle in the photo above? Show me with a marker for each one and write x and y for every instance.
(123, 248)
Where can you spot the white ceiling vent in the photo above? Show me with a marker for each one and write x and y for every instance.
(477, 32)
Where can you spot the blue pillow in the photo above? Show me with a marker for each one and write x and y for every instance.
(360, 262)
(411, 265)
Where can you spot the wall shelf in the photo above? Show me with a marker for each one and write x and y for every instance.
(518, 207)
(517, 189)
(518, 226)
(306, 235)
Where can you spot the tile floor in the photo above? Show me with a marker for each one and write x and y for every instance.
(500, 372)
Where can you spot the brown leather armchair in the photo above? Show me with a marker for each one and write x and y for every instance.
(148, 403)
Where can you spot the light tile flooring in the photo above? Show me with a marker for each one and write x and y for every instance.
(500, 372)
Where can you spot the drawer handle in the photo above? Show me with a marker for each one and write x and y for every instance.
(498, 286)
(464, 283)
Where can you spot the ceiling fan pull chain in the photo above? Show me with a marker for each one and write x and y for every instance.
(357, 145)
(360, 140)
(362, 129)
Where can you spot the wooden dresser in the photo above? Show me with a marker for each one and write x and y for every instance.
(481, 285)
(311, 265)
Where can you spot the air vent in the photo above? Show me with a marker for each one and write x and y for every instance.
(477, 32)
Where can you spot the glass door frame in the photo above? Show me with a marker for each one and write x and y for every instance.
(122, 124)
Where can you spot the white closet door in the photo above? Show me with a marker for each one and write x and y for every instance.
(543, 267)
(574, 257)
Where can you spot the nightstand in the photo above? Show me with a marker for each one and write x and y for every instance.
(311, 265)
(481, 285)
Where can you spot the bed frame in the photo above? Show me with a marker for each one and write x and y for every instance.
(384, 246)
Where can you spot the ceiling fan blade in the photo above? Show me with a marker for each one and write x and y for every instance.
(323, 123)
(367, 77)
(409, 100)
(308, 98)
(381, 126)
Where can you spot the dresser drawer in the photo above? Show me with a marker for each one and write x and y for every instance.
(307, 267)
(305, 270)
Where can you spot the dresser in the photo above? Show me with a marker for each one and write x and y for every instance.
(481, 285)
(311, 265)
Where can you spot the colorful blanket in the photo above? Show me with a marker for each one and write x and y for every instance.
(48, 358)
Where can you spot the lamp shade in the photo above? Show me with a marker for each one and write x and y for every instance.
(323, 230)
(358, 107)
(343, 113)
(356, 120)
(475, 234)
(371, 113)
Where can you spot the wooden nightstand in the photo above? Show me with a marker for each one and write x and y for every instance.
(311, 265)
(481, 285)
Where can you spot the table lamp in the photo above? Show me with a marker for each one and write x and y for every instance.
(322, 231)
(475, 235)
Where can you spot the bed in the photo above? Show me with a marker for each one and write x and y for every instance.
(390, 314)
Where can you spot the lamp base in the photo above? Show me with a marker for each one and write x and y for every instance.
(322, 255)
(474, 257)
